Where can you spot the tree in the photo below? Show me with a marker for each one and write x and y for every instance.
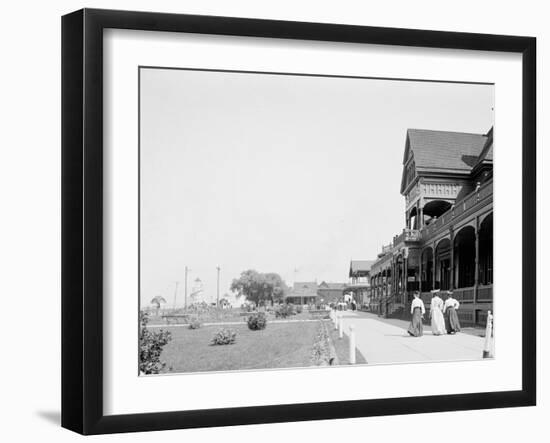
(277, 285)
(157, 300)
(260, 288)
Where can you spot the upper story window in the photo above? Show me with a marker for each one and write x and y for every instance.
(410, 173)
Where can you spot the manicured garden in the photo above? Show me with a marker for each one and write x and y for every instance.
(212, 339)
(264, 333)
(279, 345)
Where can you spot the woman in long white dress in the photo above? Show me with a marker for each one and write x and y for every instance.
(436, 314)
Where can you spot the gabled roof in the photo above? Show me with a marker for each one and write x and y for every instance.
(360, 265)
(442, 151)
(303, 289)
(329, 285)
(486, 155)
(304, 286)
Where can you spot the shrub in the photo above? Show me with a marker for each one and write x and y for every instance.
(195, 324)
(247, 307)
(224, 336)
(283, 311)
(257, 321)
(320, 354)
(150, 347)
(299, 309)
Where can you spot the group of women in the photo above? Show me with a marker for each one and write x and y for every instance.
(443, 315)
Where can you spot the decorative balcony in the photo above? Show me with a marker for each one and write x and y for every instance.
(357, 285)
(408, 235)
(469, 203)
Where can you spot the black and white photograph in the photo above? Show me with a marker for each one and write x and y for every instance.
(274, 222)
(296, 220)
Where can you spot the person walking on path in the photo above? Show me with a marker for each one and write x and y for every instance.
(417, 310)
(451, 317)
(436, 314)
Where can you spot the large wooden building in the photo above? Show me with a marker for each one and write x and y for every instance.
(359, 282)
(447, 241)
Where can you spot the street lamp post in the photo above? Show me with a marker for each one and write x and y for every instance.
(186, 273)
(218, 288)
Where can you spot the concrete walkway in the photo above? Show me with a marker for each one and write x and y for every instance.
(382, 342)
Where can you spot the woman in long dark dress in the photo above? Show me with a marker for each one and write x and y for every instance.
(452, 324)
(417, 310)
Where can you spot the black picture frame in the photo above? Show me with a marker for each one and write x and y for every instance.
(82, 218)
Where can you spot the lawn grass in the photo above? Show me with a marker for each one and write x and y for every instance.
(218, 316)
(230, 316)
(280, 345)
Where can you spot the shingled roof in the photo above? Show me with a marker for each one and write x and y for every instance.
(360, 265)
(303, 289)
(486, 154)
(444, 150)
(305, 286)
(330, 285)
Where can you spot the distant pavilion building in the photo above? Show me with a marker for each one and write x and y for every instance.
(302, 293)
(359, 285)
(330, 292)
(447, 241)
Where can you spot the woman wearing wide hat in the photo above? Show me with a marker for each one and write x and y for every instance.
(417, 310)
(436, 314)
(451, 317)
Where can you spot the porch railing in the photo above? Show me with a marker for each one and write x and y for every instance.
(408, 235)
(460, 207)
(485, 293)
(464, 295)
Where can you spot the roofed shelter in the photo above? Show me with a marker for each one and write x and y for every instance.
(302, 293)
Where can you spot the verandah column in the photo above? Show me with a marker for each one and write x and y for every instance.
(420, 272)
(434, 263)
(387, 289)
(393, 276)
(452, 273)
(405, 278)
(476, 269)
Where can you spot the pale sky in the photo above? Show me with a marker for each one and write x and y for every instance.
(277, 173)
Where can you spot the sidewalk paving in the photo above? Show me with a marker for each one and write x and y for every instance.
(381, 341)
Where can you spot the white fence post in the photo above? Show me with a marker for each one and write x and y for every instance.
(352, 344)
(341, 327)
(488, 336)
(335, 320)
